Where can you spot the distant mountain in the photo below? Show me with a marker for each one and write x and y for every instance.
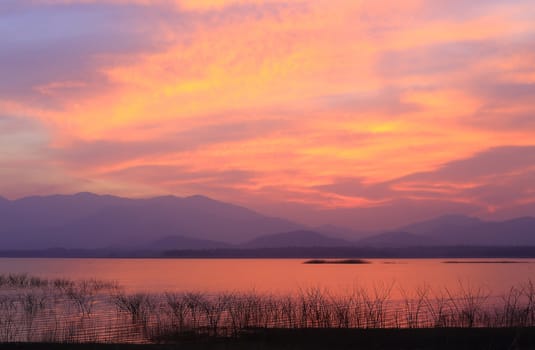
(515, 232)
(52, 211)
(448, 222)
(340, 232)
(463, 230)
(397, 239)
(458, 230)
(90, 221)
(185, 243)
(295, 239)
(3, 203)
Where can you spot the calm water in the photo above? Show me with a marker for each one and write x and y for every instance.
(278, 275)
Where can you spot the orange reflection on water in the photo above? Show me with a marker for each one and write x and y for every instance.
(281, 275)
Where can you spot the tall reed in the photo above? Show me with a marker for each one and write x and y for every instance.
(34, 309)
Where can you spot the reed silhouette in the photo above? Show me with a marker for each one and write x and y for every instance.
(34, 309)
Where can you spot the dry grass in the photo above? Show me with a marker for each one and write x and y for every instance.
(35, 309)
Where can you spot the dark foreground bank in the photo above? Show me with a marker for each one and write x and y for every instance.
(379, 339)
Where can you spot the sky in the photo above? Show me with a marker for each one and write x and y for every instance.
(363, 114)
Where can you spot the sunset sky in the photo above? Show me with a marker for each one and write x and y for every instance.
(362, 114)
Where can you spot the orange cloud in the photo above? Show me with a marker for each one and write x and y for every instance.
(295, 95)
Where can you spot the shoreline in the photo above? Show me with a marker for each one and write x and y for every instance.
(334, 338)
(352, 252)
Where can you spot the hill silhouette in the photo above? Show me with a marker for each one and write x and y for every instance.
(300, 238)
(458, 230)
(86, 220)
(397, 239)
(90, 221)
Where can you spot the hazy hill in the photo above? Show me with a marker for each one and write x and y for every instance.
(180, 242)
(86, 220)
(463, 230)
(515, 232)
(446, 222)
(458, 230)
(53, 211)
(397, 239)
(295, 239)
(340, 232)
(90, 221)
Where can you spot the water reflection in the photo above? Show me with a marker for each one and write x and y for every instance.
(279, 275)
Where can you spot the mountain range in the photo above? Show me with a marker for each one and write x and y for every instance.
(93, 221)
(90, 221)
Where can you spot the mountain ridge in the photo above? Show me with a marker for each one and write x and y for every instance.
(465, 230)
(301, 238)
(86, 220)
(92, 221)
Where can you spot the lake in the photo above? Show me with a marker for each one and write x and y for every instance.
(281, 276)
(224, 297)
